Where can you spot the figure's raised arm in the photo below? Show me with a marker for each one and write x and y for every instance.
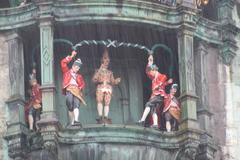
(115, 81)
(66, 60)
(150, 67)
(150, 60)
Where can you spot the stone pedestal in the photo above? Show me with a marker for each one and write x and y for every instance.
(16, 129)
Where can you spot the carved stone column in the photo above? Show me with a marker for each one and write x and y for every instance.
(207, 148)
(48, 124)
(16, 64)
(16, 127)
(188, 98)
(204, 114)
(187, 79)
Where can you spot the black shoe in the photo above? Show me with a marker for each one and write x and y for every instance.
(140, 123)
(107, 120)
(77, 123)
(99, 120)
(154, 126)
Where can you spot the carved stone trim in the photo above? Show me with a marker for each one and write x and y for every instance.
(204, 111)
(188, 151)
(46, 35)
(207, 148)
(189, 3)
(49, 127)
(229, 47)
(229, 31)
(16, 63)
(201, 75)
(17, 141)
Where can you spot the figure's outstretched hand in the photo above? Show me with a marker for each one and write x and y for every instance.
(150, 60)
(74, 53)
(34, 71)
(101, 67)
(118, 80)
(170, 81)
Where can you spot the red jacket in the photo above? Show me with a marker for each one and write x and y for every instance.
(158, 84)
(36, 98)
(168, 100)
(36, 93)
(67, 75)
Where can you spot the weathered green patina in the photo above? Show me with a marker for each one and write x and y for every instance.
(189, 143)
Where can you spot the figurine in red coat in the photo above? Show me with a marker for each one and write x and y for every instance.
(159, 82)
(171, 108)
(35, 101)
(73, 85)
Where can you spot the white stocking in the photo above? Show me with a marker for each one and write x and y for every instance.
(100, 109)
(106, 111)
(168, 126)
(30, 120)
(145, 113)
(71, 117)
(155, 119)
(76, 114)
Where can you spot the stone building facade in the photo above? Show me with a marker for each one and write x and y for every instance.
(208, 68)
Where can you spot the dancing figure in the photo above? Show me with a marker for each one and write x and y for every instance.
(73, 85)
(159, 82)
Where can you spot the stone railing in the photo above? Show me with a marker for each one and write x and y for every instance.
(18, 17)
(125, 141)
(212, 29)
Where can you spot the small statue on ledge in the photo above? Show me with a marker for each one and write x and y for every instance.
(171, 110)
(73, 85)
(35, 103)
(104, 79)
